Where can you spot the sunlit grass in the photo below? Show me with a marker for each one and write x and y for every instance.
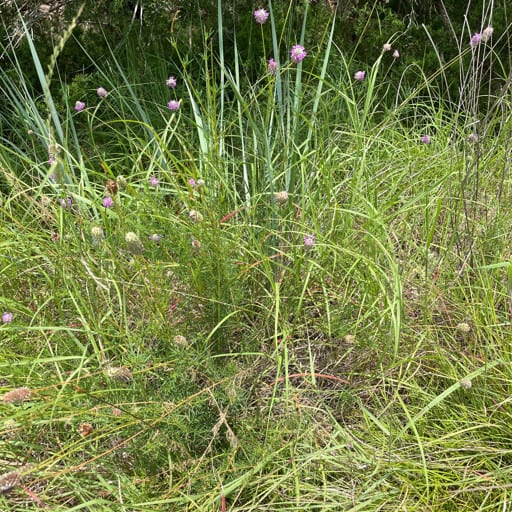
(289, 301)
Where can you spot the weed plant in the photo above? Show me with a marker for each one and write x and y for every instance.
(282, 292)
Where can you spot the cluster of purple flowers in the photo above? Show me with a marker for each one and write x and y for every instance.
(297, 52)
(479, 37)
(100, 91)
(173, 105)
(387, 48)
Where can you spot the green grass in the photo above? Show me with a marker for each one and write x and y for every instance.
(228, 365)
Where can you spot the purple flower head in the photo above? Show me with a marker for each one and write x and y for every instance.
(66, 203)
(473, 137)
(475, 39)
(386, 47)
(260, 16)
(309, 241)
(79, 106)
(174, 105)
(171, 82)
(425, 139)
(155, 237)
(192, 182)
(359, 75)
(272, 66)
(154, 181)
(7, 318)
(396, 54)
(298, 53)
(51, 159)
(108, 202)
(101, 92)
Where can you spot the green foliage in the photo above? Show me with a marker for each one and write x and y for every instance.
(322, 319)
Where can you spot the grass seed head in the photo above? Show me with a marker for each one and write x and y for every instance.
(17, 395)
(119, 373)
(133, 243)
(9, 480)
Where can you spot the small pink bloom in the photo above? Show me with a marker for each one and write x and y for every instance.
(309, 241)
(65, 203)
(386, 47)
(101, 92)
(192, 182)
(475, 39)
(396, 54)
(298, 53)
(154, 181)
(79, 106)
(359, 75)
(260, 16)
(272, 66)
(425, 139)
(171, 82)
(7, 318)
(174, 105)
(108, 202)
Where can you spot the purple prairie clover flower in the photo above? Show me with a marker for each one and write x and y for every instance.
(487, 34)
(7, 317)
(298, 53)
(425, 139)
(174, 105)
(192, 182)
(475, 39)
(154, 181)
(271, 66)
(171, 82)
(51, 159)
(155, 237)
(396, 54)
(79, 106)
(309, 241)
(261, 16)
(108, 202)
(386, 47)
(66, 203)
(101, 92)
(359, 75)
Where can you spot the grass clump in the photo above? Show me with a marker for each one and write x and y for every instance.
(283, 293)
